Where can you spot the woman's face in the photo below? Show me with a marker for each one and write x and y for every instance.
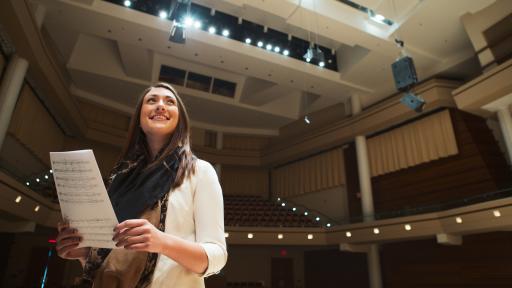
(159, 113)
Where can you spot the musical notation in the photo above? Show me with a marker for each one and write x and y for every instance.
(83, 198)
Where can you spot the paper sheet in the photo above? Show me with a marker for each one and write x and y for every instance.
(84, 201)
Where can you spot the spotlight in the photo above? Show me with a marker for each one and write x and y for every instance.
(51, 171)
(321, 63)
(127, 3)
(294, 209)
(248, 40)
(250, 235)
(283, 204)
(45, 176)
(496, 213)
(310, 236)
(376, 231)
(162, 14)
(37, 180)
(226, 235)
(286, 52)
(306, 213)
(317, 218)
(348, 234)
(268, 47)
(177, 34)
(413, 101)
(260, 44)
(279, 236)
(28, 183)
(37, 208)
(278, 199)
(308, 60)
(225, 32)
(197, 24)
(277, 49)
(18, 199)
(458, 220)
(212, 30)
(407, 227)
(306, 119)
(328, 225)
(188, 21)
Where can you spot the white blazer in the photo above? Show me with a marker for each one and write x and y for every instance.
(195, 212)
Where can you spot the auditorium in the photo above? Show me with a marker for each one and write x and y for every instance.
(357, 143)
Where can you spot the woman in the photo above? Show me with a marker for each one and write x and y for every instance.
(169, 205)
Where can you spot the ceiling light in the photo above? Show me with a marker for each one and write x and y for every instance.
(283, 204)
(250, 235)
(317, 218)
(309, 54)
(269, 47)
(28, 183)
(277, 49)
(279, 236)
(18, 199)
(198, 24)
(348, 234)
(248, 40)
(306, 213)
(188, 21)
(260, 44)
(376, 231)
(226, 235)
(321, 63)
(212, 30)
(162, 14)
(37, 208)
(310, 236)
(293, 209)
(407, 227)
(328, 225)
(496, 213)
(458, 220)
(308, 60)
(51, 171)
(37, 180)
(45, 176)
(306, 119)
(127, 3)
(278, 198)
(286, 52)
(379, 17)
(225, 32)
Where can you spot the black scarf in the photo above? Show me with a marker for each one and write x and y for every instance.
(136, 189)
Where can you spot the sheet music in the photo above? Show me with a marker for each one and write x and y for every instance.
(84, 201)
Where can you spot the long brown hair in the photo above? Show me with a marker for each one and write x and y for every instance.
(136, 149)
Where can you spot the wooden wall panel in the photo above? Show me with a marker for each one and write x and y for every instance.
(479, 167)
(33, 126)
(481, 261)
(240, 180)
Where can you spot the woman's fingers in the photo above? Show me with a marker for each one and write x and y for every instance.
(63, 253)
(67, 232)
(62, 224)
(132, 240)
(131, 232)
(132, 223)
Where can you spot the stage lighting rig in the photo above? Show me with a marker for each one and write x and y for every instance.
(177, 33)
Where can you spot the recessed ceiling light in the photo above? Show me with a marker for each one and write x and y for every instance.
(268, 47)
(317, 218)
(328, 225)
(321, 64)
(279, 236)
(225, 32)
(407, 227)
(278, 199)
(348, 234)
(308, 60)
(248, 40)
(260, 44)
(36, 208)
(198, 24)
(376, 231)
(212, 30)
(28, 183)
(294, 209)
(286, 52)
(37, 180)
(18, 199)
(283, 204)
(306, 213)
(188, 21)
(458, 220)
(162, 14)
(51, 171)
(310, 236)
(45, 176)
(496, 213)
(250, 235)
(127, 3)
(277, 49)
(226, 235)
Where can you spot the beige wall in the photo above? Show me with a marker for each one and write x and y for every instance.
(240, 180)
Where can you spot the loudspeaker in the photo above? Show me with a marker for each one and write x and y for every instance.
(413, 101)
(404, 73)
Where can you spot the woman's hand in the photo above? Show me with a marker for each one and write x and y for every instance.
(138, 235)
(68, 240)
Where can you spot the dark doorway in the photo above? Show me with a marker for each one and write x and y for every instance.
(282, 273)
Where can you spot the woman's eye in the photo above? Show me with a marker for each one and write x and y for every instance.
(170, 102)
(151, 100)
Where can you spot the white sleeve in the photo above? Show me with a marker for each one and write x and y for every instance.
(209, 217)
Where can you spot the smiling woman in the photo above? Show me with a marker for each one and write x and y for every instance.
(168, 202)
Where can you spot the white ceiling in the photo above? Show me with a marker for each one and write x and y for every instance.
(112, 53)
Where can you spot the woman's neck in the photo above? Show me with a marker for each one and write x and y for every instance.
(155, 144)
